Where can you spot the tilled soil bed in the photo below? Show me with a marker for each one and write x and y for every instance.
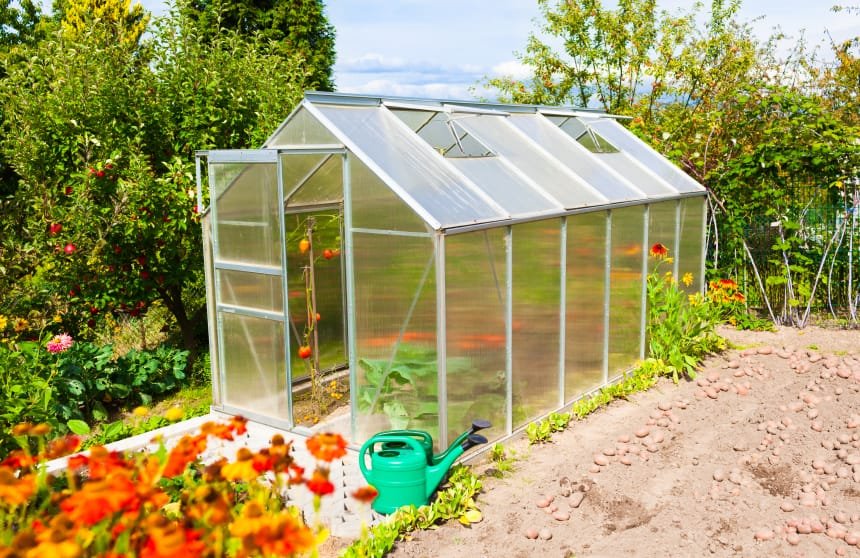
(759, 456)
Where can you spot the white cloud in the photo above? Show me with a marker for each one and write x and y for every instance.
(402, 89)
(512, 68)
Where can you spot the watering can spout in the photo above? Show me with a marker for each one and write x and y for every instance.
(436, 472)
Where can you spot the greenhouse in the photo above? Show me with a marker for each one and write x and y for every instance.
(458, 260)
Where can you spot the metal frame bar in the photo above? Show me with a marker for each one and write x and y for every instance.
(643, 322)
(562, 313)
(216, 283)
(509, 330)
(607, 286)
(351, 327)
(441, 339)
(393, 233)
(703, 263)
(241, 156)
(288, 368)
(676, 249)
(250, 312)
(247, 268)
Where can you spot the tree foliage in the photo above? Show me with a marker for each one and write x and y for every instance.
(297, 27)
(78, 16)
(103, 134)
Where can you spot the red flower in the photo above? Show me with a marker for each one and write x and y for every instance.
(319, 484)
(365, 494)
(327, 446)
(659, 251)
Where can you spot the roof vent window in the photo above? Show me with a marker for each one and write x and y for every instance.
(445, 135)
(586, 136)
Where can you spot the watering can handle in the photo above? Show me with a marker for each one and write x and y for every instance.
(367, 447)
(413, 433)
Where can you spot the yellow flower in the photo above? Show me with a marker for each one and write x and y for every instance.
(140, 411)
(3, 322)
(174, 414)
(21, 325)
(688, 279)
(57, 319)
(669, 260)
(693, 299)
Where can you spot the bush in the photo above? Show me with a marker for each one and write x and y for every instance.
(47, 382)
(680, 325)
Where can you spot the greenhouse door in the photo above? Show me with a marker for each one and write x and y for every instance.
(248, 270)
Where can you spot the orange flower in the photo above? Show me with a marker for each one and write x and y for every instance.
(168, 539)
(102, 462)
(102, 498)
(327, 446)
(659, 251)
(184, 452)
(319, 483)
(739, 297)
(281, 534)
(62, 446)
(365, 494)
(728, 284)
(13, 490)
(241, 469)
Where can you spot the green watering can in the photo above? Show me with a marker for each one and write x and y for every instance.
(403, 472)
(427, 442)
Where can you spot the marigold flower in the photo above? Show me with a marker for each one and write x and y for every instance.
(22, 429)
(281, 534)
(168, 539)
(242, 469)
(319, 483)
(365, 494)
(728, 284)
(3, 322)
(687, 279)
(60, 343)
(140, 411)
(174, 414)
(658, 250)
(14, 490)
(327, 446)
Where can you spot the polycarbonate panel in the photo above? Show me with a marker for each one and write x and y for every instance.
(475, 321)
(624, 165)
(504, 185)
(435, 187)
(328, 285)
(586, 276)
(690, 257)
(415, 119)
(246, 224)
(395, 316)
(251, 290)
(325, 186)
(536, 318)
(302, 129)
(296, 168)
(625, 288)
(375, 206)
(542, 168)
(661, 228)
(624, 140)
(254, 365)
(577, 158)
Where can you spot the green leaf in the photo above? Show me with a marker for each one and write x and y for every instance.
(78, 427)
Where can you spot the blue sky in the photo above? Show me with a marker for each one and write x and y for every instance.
(442, 48)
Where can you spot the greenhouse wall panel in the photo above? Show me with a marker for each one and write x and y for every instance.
(475, 327)
(395, 313)
(625, 288)
(586, 287)
(661, 229)
(536, 298)
(253, 353)
(251, 290)
(690, 256)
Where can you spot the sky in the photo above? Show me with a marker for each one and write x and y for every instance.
(445, 48)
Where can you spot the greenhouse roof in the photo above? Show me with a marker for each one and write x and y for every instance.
(462, 163)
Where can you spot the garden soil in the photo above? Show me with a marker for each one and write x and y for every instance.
(759, 456)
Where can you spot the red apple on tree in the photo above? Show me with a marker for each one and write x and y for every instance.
(55, 228)
(70, 248)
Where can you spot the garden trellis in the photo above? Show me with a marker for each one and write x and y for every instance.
(490, 259)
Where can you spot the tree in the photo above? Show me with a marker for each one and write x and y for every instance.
(298, 27)
(103, 136)
(78, 16)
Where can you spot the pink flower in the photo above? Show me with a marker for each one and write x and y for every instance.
(60, 343)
